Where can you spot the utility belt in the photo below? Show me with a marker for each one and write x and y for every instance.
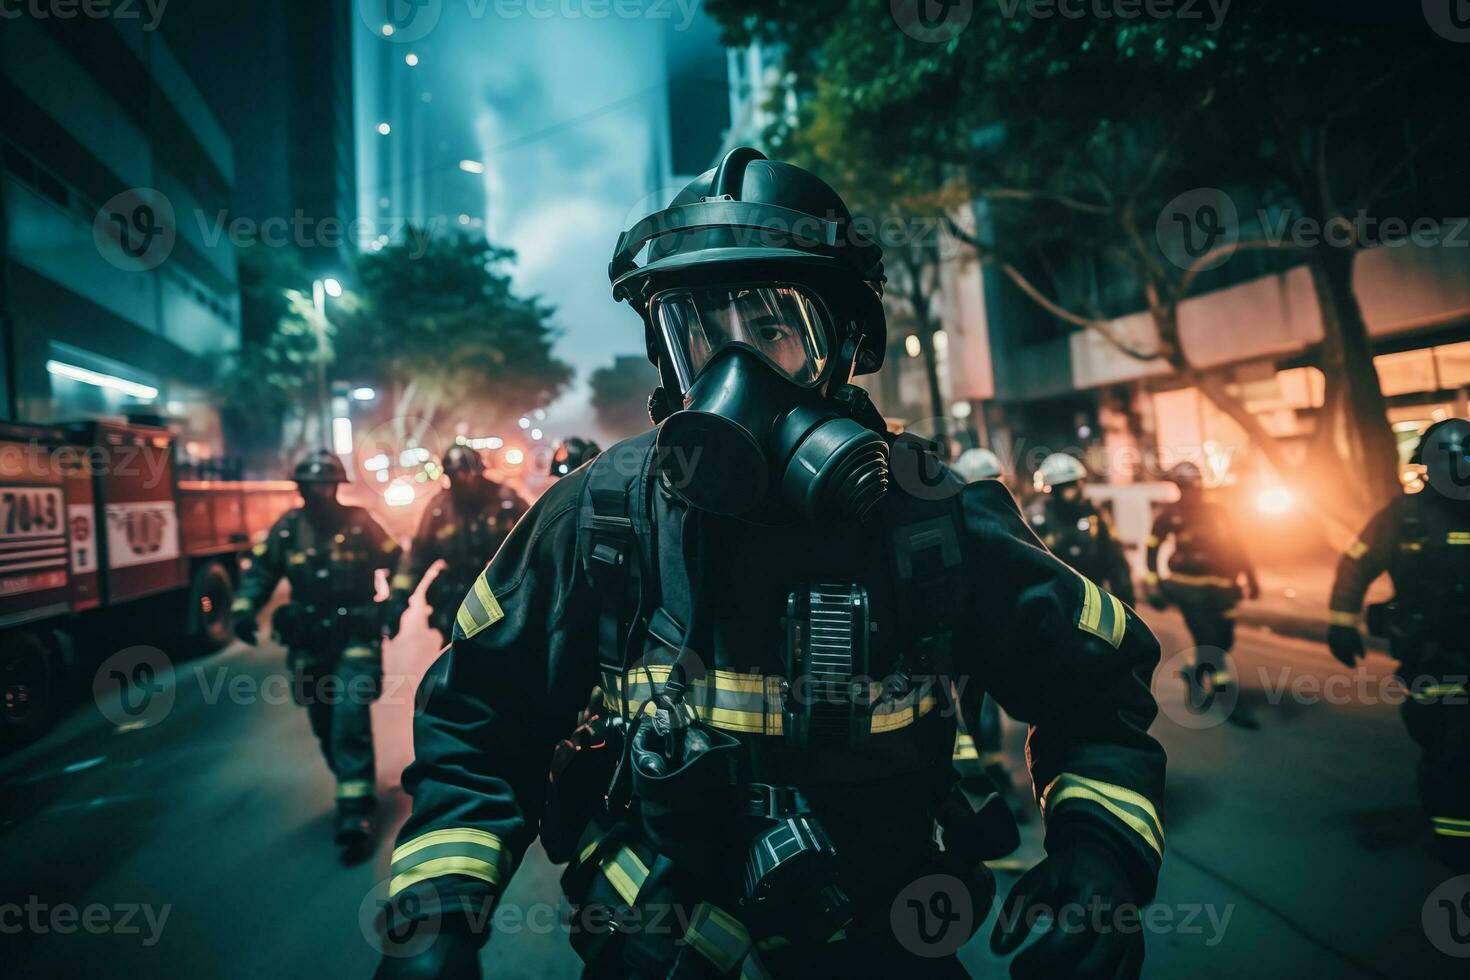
(325, 628)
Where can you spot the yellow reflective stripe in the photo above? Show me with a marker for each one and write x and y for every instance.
(622, 876)
(1112, 798)
(725, 680)
(718, 937)
(1341, 617)
(1446, 832)
(1152, 578)
(893, 720)
(451, 835)
(1152, 541)
(1091, 603)
(402, 581)
(465, 621)
(1218, 581)
(487, 599)
(1452, 822)
(1458, 537)
(359, 651)
(242, 604)
(439, 867)
(964, 747)
(260, 549)
(1120, 619)
(1357, 549)
(296, 558)
(588, 851)
(353, 788)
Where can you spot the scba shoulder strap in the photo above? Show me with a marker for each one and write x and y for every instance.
(923, 523)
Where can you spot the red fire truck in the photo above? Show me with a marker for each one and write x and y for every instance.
(101, 547)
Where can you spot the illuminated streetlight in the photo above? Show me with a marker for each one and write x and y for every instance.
(411, 59)
(536, 434)
(912, 345)
(524, 423)
(387, 30)
(333, 287)
(384, 129)
(472, 166)
(364, 394)
(1275, 501)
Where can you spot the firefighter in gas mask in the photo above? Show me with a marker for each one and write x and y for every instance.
(463, 528)
(1073, 527)
(782, 609)
(1423, 542)
(331, 628)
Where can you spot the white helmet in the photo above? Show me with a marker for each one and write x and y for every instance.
(1058, 469)
(977, 464)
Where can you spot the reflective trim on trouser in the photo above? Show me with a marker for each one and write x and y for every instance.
(402, 583)
(1342, 617)
(360, 651)
(351, 722)
(1132, 809)
(242, 604)
(354, 789)
(451, 851)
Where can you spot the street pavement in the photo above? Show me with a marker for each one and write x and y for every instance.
(195, 841)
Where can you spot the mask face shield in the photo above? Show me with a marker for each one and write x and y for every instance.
(786, 326)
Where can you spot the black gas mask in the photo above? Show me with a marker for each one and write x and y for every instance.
(757, 429)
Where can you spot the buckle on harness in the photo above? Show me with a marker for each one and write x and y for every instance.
(775, 802)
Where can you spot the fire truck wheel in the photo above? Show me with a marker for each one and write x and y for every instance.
(28, 689)
(210, 595)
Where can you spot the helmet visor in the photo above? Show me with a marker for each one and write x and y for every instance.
(785, 325)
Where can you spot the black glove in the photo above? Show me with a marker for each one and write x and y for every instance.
(246, 625)
(454, 955)
(1094, 929)
(1346, 644)
(393, 611)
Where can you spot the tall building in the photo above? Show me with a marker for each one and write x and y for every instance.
(279, 76)
(116, 292)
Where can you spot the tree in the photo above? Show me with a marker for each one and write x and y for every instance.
(620, 396)
(1075, 134)
(434, 320)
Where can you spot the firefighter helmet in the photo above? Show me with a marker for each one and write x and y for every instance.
(320, 467)
(1059, 469)
(977, 464)
(754, 220)
(572, 453)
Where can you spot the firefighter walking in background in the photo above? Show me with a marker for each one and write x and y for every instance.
(1074, 529)
(464, 528)
(331, 628)
(780, 600)
(1205, 572)
(572, 453)
(1423, 542)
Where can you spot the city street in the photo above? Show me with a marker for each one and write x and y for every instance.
(199, 845)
